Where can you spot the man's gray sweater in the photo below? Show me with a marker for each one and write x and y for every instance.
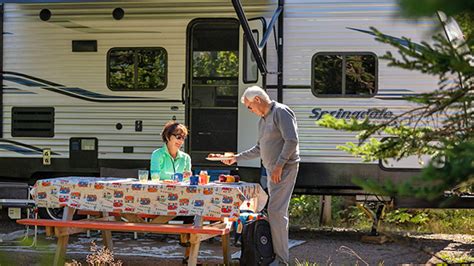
(277, 142)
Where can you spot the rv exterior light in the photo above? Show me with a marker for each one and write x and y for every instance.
(118, 13)
(45, 14)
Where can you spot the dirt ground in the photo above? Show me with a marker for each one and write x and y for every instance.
(325, 247)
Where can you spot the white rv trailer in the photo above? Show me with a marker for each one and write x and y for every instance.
(90, 84)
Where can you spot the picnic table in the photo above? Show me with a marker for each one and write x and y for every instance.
(125, 203)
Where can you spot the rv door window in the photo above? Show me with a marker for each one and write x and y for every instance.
(344, 74)
(215, 78)
(137, 69)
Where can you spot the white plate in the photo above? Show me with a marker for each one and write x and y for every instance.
(219, 182)
(218, 158)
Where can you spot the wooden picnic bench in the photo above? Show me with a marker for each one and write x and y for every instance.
(190, 235)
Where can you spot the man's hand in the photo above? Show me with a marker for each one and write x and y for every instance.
(276, 174)
(230, 161)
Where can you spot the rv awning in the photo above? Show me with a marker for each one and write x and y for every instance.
(68, 1)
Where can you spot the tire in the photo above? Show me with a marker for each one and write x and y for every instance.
(56, 214)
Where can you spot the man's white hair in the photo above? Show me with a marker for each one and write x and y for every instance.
(251, 92)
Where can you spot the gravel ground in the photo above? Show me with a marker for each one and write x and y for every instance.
(325, 247)
(343, 247)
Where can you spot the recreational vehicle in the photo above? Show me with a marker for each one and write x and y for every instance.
(90, 84)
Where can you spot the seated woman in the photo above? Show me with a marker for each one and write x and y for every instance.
(169, 160)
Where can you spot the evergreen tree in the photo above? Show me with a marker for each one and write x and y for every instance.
(441, 124)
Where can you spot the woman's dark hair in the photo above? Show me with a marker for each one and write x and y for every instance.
(173, 128)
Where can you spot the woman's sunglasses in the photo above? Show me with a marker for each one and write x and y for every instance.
(179, 137)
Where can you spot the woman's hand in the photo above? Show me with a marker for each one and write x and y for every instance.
(187, 174)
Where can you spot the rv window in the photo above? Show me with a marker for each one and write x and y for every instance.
(137, 69)
(344, 74)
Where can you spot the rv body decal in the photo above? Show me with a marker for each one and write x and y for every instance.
(79, 93)
(16, 91)
(86, 29)
(392, 38)
(372, 113)
(21, 148)
(10, 147)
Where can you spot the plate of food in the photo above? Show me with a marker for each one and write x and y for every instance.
(228, 179)
(220, 157)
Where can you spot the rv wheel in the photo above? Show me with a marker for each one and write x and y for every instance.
(51, 213)
(56, 214)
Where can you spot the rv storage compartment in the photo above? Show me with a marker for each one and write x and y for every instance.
(83, 152)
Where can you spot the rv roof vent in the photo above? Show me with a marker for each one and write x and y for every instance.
(84, 46)
(32, 122)
(118, 13)
(45, 14)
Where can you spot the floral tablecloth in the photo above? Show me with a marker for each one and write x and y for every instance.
(132, 196)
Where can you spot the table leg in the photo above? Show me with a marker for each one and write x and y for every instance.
(197, 220)
(63, 240)
(226, 249)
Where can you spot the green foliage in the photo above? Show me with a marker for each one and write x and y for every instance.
(358, 74)
(303, 209)
(418, 8)
(458, 259)
(466, 22)
(370, 149)
(403, 216)
(215, 64)
(431, 220)
(304, 212)
(137, 69)
(305, 263)
(45, 259)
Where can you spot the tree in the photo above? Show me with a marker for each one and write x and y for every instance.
(441, 124)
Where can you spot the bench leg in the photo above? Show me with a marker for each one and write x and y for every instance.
(226, 249)
(60, 254)
(184, 241)
(61, 247)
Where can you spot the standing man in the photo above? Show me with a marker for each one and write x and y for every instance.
(277, 145)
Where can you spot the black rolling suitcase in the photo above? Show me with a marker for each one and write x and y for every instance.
(257, 247)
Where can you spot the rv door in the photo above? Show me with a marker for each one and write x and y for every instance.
(249, 76)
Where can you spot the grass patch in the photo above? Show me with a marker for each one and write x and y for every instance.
(456, 258)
